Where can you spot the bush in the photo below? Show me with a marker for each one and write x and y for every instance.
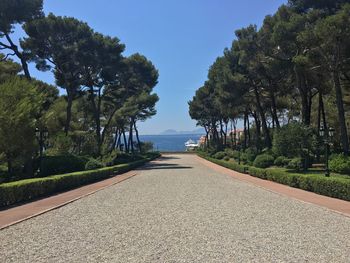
(330, 186)
(280, 161)
(25, 190)
(335, 187)
(228, 164)
(296, 164)
(231, 153)
(219, 155)
(249, 156)
(257, 172)
(226, 158)
(263, 161)
(340, 164)
(52, 165)
(293, 140)
(146, 147)
(125, 158)
(93, 164)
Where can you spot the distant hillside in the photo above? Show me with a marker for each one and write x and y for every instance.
(174, 132)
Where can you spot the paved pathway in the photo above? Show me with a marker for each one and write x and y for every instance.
(179, 210)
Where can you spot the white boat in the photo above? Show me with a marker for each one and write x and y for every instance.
(190, 144)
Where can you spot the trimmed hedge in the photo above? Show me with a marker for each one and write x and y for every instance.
(264, 161)
(336, 187)
(52, 165)
(227, 164)
(25, 190)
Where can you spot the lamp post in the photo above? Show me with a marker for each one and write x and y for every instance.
(327, 135)
(41, 135)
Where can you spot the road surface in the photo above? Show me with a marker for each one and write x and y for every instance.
(179, 210)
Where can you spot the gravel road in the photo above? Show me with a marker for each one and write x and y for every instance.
(178, 210)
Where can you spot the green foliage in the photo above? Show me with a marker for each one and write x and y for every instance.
(147, 147)
(228, 164)
(19, 105)
(52, 165)
(296, 164)
(8, 68)
(340, 164)
(93, 164)
(219, 155)
(232, 153)
(292, 140)
(17, 12)
(263, 161)
(330, 186)
(257, 172)
(25, 190)
(280, 161)
(61, 145)
(226, 158)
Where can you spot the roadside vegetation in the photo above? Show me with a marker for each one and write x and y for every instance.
(88, 120)
(287, 83)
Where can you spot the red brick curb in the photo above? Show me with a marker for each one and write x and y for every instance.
(336, 205)
(24, 212)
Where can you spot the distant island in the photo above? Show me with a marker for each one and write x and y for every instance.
(175, 132)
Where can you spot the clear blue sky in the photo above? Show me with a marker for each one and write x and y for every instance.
(181, 37)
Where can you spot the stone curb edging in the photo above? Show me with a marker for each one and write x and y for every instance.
(339, 206)
(124, 176)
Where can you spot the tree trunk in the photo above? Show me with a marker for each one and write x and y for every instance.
(248, 130)
(137, 137)
(245, 130)
(69, 111)
(126, 148)
(303, 91)
(131, 139)
(96, 112)
(24, 63)
(206, 136)
(263, 119)
(258, 131)
(341, 113)
(274, 110)
(116, 137)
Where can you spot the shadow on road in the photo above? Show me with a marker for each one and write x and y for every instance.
(166, 166)
(163, 158)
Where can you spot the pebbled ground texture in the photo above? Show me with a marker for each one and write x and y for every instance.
(178, 210)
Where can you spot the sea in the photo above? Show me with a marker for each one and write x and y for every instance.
(169, 143)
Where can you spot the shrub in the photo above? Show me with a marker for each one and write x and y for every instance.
(228, 164)
(232, 153)
(340, 164)
(296, 164)
(257, 172)
(52, 165)
(263, 161)
(61, 145)
(125, 158)
(147, 147)
(93, 164)
(219, 155)
(226, 158)
(280, 161)
(248, 156)
(25, 190)
(292, 140)
(330, 186)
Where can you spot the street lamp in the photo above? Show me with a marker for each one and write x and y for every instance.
(327, 135)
